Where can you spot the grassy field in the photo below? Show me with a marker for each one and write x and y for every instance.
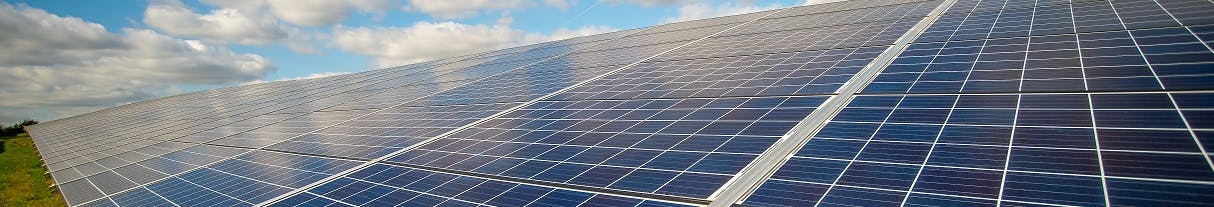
(21, 180)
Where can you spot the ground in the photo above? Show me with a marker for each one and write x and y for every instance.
(22, 182)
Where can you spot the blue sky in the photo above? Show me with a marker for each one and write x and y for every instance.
(74, 56)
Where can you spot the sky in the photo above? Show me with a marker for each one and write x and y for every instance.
(68, 57)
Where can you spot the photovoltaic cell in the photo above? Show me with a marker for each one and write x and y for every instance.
(286, 129)
(383, 184)
(246, 179)
(812, 72)
(651, 146)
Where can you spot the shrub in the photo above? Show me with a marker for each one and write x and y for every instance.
(17, 128)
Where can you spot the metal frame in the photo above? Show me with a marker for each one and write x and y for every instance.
(753, 175)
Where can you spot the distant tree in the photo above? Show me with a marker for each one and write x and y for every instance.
(11, 131)
(17, 128)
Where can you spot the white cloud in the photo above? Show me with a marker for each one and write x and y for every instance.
(704, 10)
(221, 25)
(651, 2)
(306, 12)
(693, 10)
(392, 46)
(456, 9)
(504, 20)
(426, 41)
(584, 31)
(812, 2)
(302, 42)
(321, 12)
(560, 4)
(256, 22)
(309, 76)
(56, 66)
(246, 5)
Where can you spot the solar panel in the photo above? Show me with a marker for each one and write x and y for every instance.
(683, 142)
(1019, 103)
(860, 103)
(1098, 58)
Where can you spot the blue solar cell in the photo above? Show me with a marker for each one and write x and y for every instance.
(600, 176)
(694, 185)
(878, 175)
(896, 152)
(705, 139)
(1083, 162)
(1157, 165)
(424, 187)
(851, 196)
(831, 148)
(140, 197)
(968, 156)
(917, 199)
(986, 135)
(1055, 141)
(1167, 118)
(182, 192)
(644, 180)
(104, 202)
(1160, 140)
(307, 200)
(810, 170)
(784, 193)
(961, 182)
(1045, 188)
(1102, 58)
(908, 132)
(80, 192)
(110, 182)
(1147, 193)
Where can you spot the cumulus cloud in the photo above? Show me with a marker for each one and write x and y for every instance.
(309, 76)
(392, 46)
(306, 12)
(221, 25)
(692, 10)
(651, 2)
(704, 10)
(426, 41)
(812, 2)
(257, 22)
(322, 12)
(59, 66)
(583, 31)
(455, 9)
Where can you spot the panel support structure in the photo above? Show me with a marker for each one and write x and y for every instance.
(753, 175)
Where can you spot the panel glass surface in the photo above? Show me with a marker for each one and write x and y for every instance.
(1023, 103)
(1084, 46)
(388, 185)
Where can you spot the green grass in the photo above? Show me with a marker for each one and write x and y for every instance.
(21, 180)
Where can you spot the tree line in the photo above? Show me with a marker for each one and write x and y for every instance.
(17, 128)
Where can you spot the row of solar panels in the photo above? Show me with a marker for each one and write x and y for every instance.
(911, 102)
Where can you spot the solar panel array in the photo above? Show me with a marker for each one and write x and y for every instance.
(861, 102)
